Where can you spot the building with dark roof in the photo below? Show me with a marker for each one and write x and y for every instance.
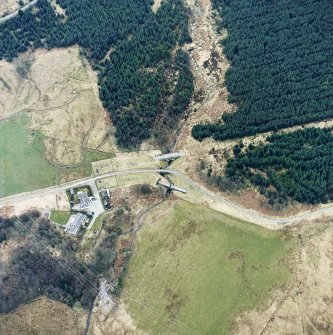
(84, 199)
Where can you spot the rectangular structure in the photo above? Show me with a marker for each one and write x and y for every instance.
(84, 199)
(170, 156)
(75, 222)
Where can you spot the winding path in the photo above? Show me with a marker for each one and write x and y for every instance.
(218, 202)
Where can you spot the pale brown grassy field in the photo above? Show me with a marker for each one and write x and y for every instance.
(305, 306)
(43, 317)
(59, 90)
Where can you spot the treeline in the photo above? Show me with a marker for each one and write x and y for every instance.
(137, 82)
(36, 265)
(96, 26)
(281, 70)
(111, 255)
(130, 47)
(180, 99)
(296, 165)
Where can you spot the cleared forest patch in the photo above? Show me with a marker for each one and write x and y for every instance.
(156, 5)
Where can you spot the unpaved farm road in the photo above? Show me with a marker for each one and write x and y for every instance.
(11, 15)
(218, 202)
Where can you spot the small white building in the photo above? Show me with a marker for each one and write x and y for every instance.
(169, 157)
(74, 223)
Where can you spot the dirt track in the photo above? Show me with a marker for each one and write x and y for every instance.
(11, 15)
(218, 203)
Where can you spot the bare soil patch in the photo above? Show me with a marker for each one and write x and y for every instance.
(127, 161)
(58, 201)
(119, 322)
(156, 5)
(57, 8)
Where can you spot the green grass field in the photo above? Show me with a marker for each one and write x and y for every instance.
(60, 217)
(201, 268)
(22, 165)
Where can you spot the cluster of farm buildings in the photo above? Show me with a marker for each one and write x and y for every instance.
(85, 207)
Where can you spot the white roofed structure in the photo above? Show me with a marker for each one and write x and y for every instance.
(170, 157)
(74, 223)
(170, 186)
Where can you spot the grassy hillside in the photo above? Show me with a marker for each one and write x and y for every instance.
(201, 268)
(43, 317)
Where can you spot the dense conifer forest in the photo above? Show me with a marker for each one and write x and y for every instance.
(281, 70)
(297, 165)
(132, 48)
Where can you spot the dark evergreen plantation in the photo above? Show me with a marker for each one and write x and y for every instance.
(296, 165)
(281, 75)
(137, 79)
(281, 70)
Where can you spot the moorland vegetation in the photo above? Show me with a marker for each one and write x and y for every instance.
(143, 81)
